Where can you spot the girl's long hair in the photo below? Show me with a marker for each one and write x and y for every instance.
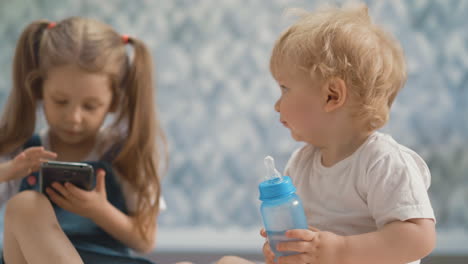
(96, 48)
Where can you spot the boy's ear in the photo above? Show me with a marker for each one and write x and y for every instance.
(335, 93)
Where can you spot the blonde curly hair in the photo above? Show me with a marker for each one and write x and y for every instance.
(344, 43)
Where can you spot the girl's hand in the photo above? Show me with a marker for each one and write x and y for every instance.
(269, 255)
(314, 246)
(85, 203)
(28, 161)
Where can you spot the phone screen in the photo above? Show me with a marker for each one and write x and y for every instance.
(79, 174)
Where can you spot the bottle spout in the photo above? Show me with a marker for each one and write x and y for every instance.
(272, 173)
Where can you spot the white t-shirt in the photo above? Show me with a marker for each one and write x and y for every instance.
(104, 141)
(381, 182)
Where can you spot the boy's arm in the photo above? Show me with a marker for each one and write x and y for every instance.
(398, 242)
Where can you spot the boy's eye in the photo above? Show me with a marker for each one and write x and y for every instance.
(283, 88)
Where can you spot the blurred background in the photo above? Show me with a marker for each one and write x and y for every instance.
(216, 96)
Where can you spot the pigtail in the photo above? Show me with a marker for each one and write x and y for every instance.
(142, 134)
(19, 116)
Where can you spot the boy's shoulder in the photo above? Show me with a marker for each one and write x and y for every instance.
(377, 146)
(382, 150)
(377, 149)
(300, 156)
(305, 152)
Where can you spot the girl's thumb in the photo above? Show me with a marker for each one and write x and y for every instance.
(100, 180)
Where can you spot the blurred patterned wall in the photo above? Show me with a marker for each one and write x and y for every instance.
(216, 99)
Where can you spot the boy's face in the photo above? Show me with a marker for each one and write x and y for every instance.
(301, 105)
(75, 103)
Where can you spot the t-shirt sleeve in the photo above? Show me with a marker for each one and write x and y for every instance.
(397, 188)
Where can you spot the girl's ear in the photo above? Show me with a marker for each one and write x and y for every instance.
(115, 99)
(335, 93)
(113, 106)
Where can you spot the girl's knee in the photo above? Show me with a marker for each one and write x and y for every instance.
(26, 205)
(232, 260)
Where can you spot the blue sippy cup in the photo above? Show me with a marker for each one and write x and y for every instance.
(281, 208)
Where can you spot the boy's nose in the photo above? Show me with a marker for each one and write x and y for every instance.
(277, 106)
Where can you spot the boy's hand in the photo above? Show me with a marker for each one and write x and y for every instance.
(85, 203)
(28, 161)
(314, 246)
(269, 255)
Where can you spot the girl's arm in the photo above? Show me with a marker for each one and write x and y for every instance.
(95, 206)
(4, 171)
(24, 163)
(123, 228)
(398, 242)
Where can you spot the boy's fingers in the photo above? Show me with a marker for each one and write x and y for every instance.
(301, 234)
(294, 259)
(297, 246)
(267, 251)
(314, 229)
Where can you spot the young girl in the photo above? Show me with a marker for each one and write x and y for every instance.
(365, 195)
(78, 71)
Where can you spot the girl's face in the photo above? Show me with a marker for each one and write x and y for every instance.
(301, 105)
(75, 104)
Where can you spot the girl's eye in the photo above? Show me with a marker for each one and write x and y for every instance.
(89, 107)
(284, 89)
(60, 102)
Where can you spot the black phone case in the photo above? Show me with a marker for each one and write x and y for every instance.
(79, 174)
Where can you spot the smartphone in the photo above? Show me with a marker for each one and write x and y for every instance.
(79, 174)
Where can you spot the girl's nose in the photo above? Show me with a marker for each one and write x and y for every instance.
(75, 115)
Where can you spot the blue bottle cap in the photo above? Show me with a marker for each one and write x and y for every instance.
(276, 188)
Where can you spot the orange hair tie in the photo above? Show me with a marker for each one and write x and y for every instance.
(51, 25)
(125, 38)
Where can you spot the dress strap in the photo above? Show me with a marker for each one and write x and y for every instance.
(112, 153)
(34, 141)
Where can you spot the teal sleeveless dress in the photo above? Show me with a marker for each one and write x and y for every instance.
(92, 243)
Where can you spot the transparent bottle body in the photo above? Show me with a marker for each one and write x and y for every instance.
(280, 215)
